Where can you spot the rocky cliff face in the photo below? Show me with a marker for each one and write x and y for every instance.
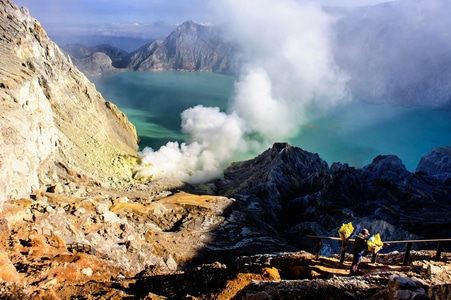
(53, 123)
(191, 47)
(300, 195)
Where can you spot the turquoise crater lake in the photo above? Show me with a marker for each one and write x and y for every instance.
(352, 133)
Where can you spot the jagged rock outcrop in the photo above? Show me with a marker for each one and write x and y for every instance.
(54, 123)
(301, 195)
(191, 47)
(437, 164)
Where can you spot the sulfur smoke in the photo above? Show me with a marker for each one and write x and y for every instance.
(288, 71)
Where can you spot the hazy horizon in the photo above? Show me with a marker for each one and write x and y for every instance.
(147, 19)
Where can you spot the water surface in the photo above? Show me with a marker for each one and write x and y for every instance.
(354, 133)
(153, 101)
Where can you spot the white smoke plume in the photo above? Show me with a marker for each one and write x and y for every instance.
(288, 71)
(214, 137)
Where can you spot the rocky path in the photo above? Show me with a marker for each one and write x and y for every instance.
(151, 242)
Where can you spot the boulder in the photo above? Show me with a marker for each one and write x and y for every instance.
(403, 288)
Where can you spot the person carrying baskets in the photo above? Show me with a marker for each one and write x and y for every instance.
(360, 245)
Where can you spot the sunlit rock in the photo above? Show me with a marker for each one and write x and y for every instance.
(54, 123)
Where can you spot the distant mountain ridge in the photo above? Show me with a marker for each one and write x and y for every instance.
(395, 52)
(128, 44)
(80, 51)
(191, 47)
(96, 60)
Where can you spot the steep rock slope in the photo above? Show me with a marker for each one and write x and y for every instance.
(53, 122)
(299, 194)
(191, 47)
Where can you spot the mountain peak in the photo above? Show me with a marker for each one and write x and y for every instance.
(191, 47)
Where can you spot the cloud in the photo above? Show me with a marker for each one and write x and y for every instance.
(85, 16)
(288, 71)
(157, 30)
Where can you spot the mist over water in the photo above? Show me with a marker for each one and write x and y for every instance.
(154, 101)
(288, 69)
(353, 132)
(289, 89)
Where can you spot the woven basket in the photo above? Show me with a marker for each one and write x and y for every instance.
(374, 249)
(344, 236)
(345, 231)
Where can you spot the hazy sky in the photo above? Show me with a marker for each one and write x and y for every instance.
(132, 17)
